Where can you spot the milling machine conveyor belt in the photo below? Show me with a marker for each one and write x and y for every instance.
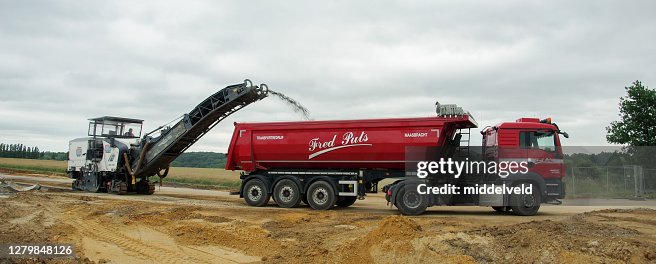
(173, 141)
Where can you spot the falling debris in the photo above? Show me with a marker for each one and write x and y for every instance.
(294, 104)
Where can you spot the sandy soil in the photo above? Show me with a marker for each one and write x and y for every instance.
(207, 227)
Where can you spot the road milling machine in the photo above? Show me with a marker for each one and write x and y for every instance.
(115, 158)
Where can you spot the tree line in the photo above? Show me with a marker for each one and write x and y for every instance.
(200, 160)
(22, 151)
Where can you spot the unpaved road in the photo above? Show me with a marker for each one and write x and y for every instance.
(201, 226)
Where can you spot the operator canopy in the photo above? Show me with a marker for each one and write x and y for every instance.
(119, 127)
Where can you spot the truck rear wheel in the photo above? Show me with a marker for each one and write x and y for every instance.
(286, 193)
(255, 193)
(346, 201)
(321, 195)
(526, 204)
(411, 202)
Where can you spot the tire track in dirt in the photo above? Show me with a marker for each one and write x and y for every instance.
(151, 251)
(156, 252)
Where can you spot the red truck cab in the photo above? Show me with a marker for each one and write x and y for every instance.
(534, 141)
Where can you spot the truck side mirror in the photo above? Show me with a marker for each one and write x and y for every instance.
(565, 135)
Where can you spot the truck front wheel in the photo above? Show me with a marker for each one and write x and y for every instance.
(287, 194)
(255, 193)
(411, 202)
(321, 195)
(526, 204)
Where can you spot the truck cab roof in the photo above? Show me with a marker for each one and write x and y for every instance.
(524, 123)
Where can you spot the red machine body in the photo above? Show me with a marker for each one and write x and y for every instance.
(338, 144)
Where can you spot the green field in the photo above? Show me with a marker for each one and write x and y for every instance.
(36, 166)
(192, 176)
(203, 176)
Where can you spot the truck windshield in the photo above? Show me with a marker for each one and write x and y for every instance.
(544, 140)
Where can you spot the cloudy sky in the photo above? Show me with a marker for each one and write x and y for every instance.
(62, 62)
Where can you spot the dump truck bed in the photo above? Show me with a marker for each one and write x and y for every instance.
(337, 144)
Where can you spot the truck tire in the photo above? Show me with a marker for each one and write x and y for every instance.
(255, 193)
(526, 204)
(346, 201)
(321, 195)
(287, 194)
(410, 202)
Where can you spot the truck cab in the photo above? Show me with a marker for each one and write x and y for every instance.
(533, 145)
(534, 141)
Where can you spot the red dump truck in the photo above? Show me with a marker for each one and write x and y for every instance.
(328, 163)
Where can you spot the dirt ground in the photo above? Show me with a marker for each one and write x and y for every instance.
(180, 228)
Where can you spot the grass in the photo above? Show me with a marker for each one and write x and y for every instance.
(36, 166)
(203, 176)
(189, 176)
